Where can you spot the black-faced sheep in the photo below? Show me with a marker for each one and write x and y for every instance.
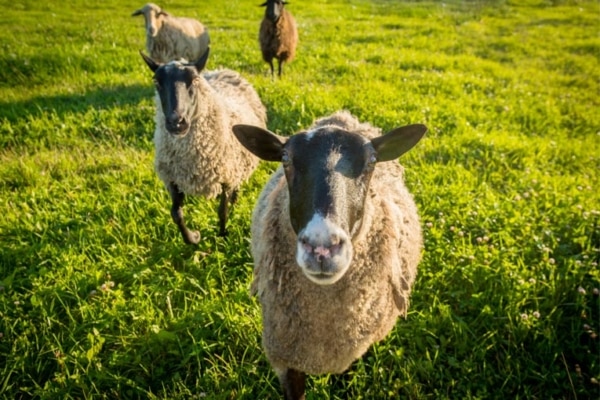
(195, 150)
(171, 38)
(278, 35)
(336, 240)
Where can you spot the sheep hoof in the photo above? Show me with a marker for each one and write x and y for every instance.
(191, 237)
(223, 232)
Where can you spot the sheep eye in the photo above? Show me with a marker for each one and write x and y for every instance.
(285, 159)
(372, 160)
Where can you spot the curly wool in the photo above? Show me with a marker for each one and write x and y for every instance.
(323, 329)
(209, 155)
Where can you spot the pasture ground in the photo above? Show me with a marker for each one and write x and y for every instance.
(100, 298)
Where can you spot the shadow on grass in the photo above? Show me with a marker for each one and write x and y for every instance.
(98, 113)
(97, 98)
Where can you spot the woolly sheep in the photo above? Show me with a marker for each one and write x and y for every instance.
(336, 241)
(195, 150)
(278, 35)
(172, 38)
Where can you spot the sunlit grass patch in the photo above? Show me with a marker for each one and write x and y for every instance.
(99, 297)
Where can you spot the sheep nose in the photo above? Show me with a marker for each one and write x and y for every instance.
(176, 124)
(324, 250)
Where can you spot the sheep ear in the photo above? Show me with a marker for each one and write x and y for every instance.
(201, 62)
(398, 141)
(264, 4)
(136, 12)
(262, 143)
(153, 65)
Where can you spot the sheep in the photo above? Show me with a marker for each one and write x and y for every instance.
(195, 150)
(336, 241)
(172, 38)
(278, 35)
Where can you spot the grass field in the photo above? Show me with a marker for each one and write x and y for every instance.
(100, 298)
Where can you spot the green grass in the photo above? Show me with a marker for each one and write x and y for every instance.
(100, 298)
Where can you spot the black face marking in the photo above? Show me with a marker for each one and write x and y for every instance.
(274, 8)
(328, 172)
(174, 83)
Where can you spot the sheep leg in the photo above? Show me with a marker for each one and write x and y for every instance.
(225, 202)
(189, 237)
(293, 383)
(272, 68)
(280, 67)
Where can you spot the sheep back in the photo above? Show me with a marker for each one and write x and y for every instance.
(178, 38)
(323, 329)
(210, 155)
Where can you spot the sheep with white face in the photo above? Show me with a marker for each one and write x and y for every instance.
(171, 38)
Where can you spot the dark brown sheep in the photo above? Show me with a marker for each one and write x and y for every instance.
(278, 34)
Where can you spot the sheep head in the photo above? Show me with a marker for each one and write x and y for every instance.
(274, 9)
(328, 171)
(175, 84)
(153, 18)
